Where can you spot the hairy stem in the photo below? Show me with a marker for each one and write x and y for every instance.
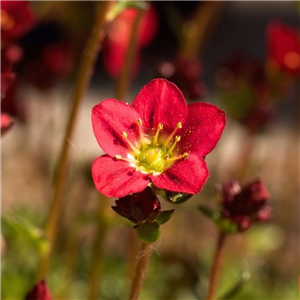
(140, 271)
(84, 75)
(216, 267)
(97, 251)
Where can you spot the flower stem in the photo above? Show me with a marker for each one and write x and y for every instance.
(125, 75)
(216, 267)
(140, 271)
(97, 251)
(196, 30)
(84, 74)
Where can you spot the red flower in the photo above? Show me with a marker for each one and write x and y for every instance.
(116, 43)
(245, 205)
(6, 123)
(283, 44)
(157, 139)
(16, 20)
(139, 207)
(39, 292)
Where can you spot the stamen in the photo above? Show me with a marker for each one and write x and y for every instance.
(182, 156)
(177, 139)
(141, 133)
(134, 149)
(159, 128)
(168, 140)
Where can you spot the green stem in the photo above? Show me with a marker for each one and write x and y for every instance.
(216, 267)
(97, 251)
(140, 271)
(84, 75)
(125, 76)
(196, 30)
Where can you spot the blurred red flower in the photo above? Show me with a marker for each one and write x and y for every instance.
(157, 139)
(246, 205)
(283, 46)
(6, 123)
(39, 292)
(116, 42)
(16, 20)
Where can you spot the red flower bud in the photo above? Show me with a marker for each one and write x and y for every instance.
(39, 292)
(139, 207)
(245, 205)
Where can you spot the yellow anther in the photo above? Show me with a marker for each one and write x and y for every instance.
(133, 148)
(177, 139)
(159, 128)
(168, 140)
(141, 138)
(118, 156)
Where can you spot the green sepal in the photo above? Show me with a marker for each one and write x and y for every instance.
(165, 216)
(227, 226)
(210, 213)
(148, 232)
(177, 198)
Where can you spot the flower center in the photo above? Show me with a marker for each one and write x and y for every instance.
(153, 156)
(7, 21)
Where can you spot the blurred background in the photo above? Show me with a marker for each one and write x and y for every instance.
(217, 52)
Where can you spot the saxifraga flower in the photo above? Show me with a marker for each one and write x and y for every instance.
(158, 139)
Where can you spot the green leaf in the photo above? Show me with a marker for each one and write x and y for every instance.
(165, 216)
(148, 232)
(237, 287)
(210, 213)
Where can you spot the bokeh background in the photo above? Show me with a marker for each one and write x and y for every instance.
(180, 264)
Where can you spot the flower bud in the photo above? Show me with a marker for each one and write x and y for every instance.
(139, 207)
(39, 292)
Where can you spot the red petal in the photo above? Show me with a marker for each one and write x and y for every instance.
(187, 176)
(203, 128)
(6, 123)
(110, 118)
(115, 178)
(160, 101)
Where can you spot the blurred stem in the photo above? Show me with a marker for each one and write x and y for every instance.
(83, 78)
(216, 267)
(140, 271)
(97, 251)
(197, 29)
(125, 75)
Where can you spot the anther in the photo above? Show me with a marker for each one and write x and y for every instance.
(159, 128)
(177, 139)
(168, 140)
(134, 149)
(141, 133)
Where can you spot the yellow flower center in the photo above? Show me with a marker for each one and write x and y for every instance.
(153, 155)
